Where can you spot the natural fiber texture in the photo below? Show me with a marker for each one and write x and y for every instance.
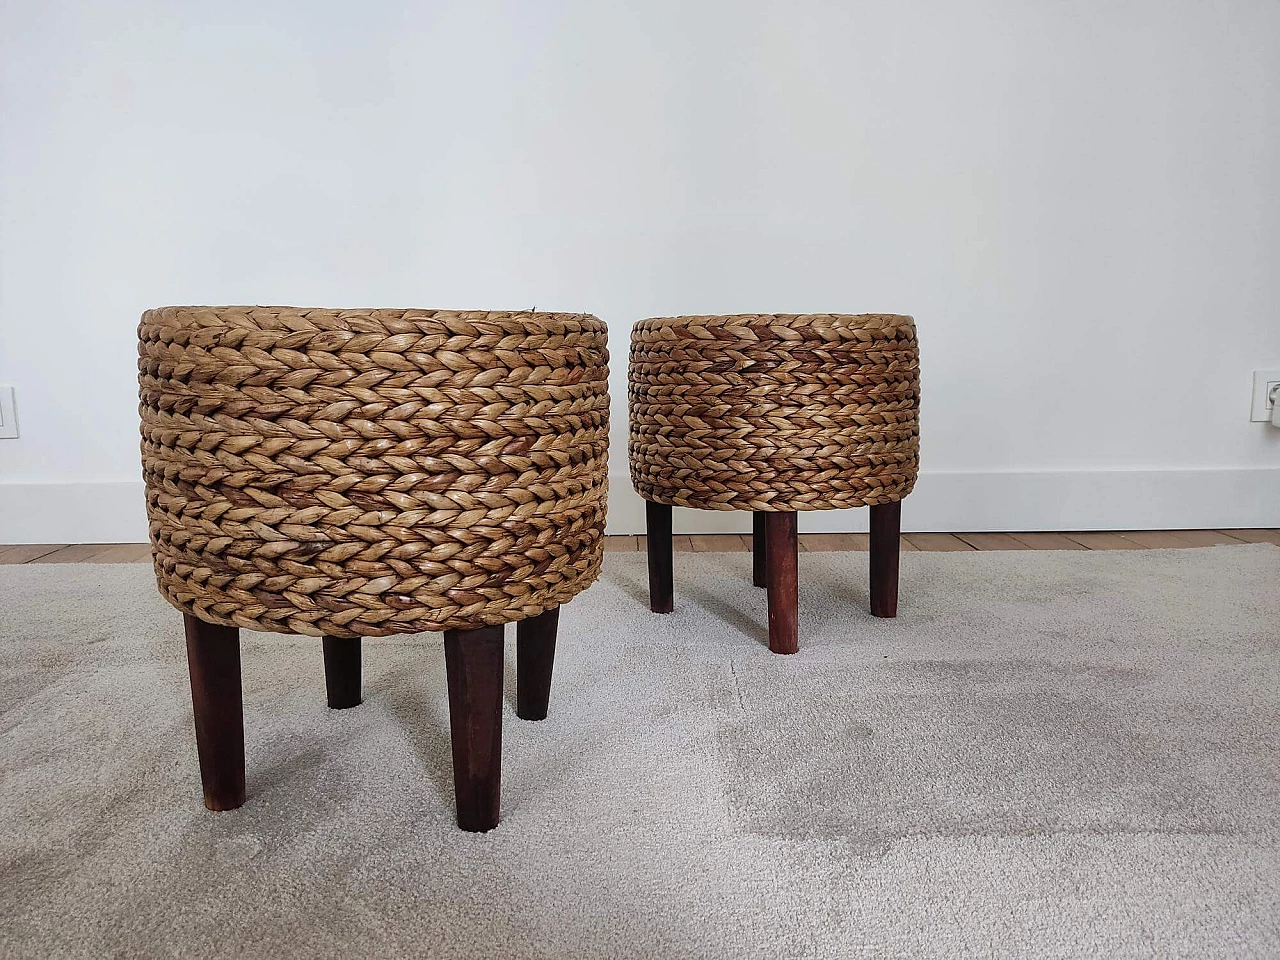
(774, 412)
(372, 472)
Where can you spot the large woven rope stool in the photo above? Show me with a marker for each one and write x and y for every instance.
(360, 473)
(774, 414)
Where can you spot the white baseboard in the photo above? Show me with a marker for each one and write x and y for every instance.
(1030, 500)
(977, 501)
(73, 512)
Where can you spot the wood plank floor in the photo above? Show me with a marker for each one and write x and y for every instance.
(741, 543)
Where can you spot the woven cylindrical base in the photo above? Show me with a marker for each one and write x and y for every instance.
(371, 472)
(774, 412)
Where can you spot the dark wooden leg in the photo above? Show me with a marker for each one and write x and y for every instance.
(213, 659)
(759, 550)
(661, 576)
(780, 539)
(886, 522)
(342, 671)
(535, 655)
(473, 661)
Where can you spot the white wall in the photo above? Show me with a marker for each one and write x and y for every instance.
(1079, 203)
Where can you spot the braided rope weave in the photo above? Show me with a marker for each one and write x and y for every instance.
(774, 412)
(372, 472)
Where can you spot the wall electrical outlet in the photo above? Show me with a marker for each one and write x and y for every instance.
(8, 419)
(1265, 384)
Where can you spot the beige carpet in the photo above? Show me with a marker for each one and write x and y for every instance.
(1046, 755)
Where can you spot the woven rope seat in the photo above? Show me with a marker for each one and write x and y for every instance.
(350, 473)
(774, 412)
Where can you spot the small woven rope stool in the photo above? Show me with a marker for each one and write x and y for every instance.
(361, 473)
(775, 414)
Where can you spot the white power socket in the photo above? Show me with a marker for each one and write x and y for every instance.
(1265, 386)
(8, 419)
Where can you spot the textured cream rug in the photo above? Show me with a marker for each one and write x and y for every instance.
(1046, 755)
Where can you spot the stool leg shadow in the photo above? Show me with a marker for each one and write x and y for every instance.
(637, 591)
(782, 579)
(474, 664)
(213, 660)
(342, 672)
(661, 574)
(886, 524)
(729, 614)
(411, 694)
(535, 658)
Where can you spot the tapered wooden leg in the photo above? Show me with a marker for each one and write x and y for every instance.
(213, 660)
(886, 523)
(661, 576)
(759, 550)
(473, 661)
(780, 540)
(535, 655)
(342, 671)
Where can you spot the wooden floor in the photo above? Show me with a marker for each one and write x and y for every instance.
(741, 543)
